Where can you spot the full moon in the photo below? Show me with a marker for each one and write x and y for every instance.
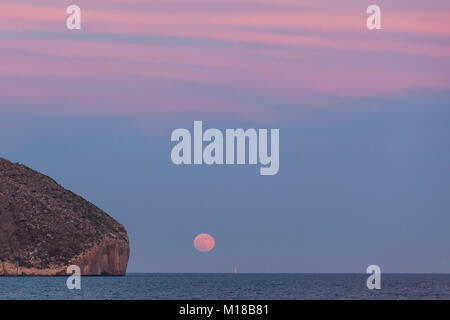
(204, 242)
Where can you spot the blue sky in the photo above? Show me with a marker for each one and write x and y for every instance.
(361, 188)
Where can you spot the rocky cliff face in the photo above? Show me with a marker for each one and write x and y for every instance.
(44, 228)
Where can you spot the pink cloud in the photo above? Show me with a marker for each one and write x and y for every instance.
(278, 51)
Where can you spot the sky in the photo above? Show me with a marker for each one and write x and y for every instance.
(363, 118)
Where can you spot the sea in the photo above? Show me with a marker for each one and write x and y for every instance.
(154, 286)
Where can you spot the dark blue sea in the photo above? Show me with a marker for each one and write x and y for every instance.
(230, 286)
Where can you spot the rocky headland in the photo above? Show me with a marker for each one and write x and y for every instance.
(45, 228)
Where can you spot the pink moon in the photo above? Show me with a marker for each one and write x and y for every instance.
(204, 242)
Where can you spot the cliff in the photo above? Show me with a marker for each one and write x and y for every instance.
(44, 228)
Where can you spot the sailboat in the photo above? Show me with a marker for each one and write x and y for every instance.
(235, 270)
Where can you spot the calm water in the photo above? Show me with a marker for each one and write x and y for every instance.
(229, 286)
